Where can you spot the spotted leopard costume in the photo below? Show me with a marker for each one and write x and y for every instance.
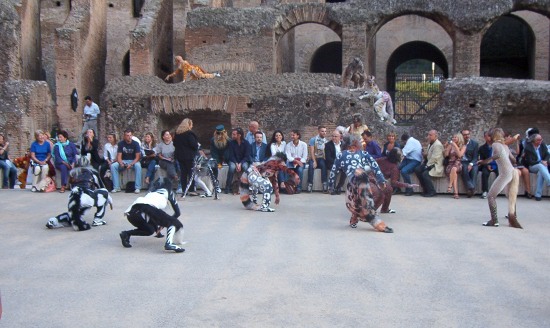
(359, 196)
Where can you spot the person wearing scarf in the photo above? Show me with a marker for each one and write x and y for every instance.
(65, 157)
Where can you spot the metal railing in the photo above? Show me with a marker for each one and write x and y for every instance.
(415, 95)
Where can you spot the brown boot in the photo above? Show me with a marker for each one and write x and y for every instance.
(512, 219)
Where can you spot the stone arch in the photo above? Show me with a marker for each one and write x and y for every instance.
(327, 59)
(393, 35)
(298, 15)
(507, 49)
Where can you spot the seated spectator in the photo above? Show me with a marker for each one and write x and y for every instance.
(371, 146)
(390, 144)
(389, 165)
(219, 148)
(128, 157)
(239, 156)
(41, 152)
(469, 163)
(317, 158)
(454, 151)
(412, 152)
(8, 168)
(536, 159)
(296, 153)
(277, 144)
(432, 165)
(258, 149)
(90, 145)
(149, 157)
(513, 144)
(109, 154)
(357, 127)
(486, 166)
(165, 151)
(333, 149)
(65, 157)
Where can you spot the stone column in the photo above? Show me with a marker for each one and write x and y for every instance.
(466, 54)
(354, 44)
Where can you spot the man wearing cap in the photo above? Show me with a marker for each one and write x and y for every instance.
(218, 147)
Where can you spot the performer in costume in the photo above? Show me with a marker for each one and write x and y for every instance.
(194, 71)
(508, 179)
(253, 183)
(359, 198)
(204, 167)
(271, 169)
(87, 190)
(148, 216)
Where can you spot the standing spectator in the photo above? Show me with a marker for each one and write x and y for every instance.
(65, 157)
(412, 152)
(90, 145)
(390, 144)
(254, 127)
(8, 168)
(128, 157)
(469, 163)
(317, 158)
(371, 146)
(333, 149)
(486, 152)
(149, 159)
(258, 149)
(357, 127)
(186, 148)
(296, 153)
(536, 159)
(165, 151)
(433, 165)
(454, 151)
(219, 148)
(239, 156)
(90, 115)
(41, 152)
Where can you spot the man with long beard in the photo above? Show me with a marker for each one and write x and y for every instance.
(218, 147)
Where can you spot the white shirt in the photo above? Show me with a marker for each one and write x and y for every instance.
(92, 110)
(296, 151)
(338, 148)
(158, 199)
(275, 149)
(110, 150)
(413, 149)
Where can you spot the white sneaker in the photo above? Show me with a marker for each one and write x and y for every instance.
(137, 191)
(484, 195)
(115, 190)
(98, 222)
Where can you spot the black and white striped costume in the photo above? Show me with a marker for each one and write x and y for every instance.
(87, 191)
(147, 215)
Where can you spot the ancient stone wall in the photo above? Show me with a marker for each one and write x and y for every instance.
(30, 48)
(482, 103)
(120, 21)
(26, 107)
(150, 48)
(80, 60)
(10, 40)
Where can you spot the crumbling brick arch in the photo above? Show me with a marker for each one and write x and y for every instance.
(298, 15)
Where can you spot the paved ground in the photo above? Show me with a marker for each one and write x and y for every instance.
(301, 266)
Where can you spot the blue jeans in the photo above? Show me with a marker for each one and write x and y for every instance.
(151, 170)
(542, 176)
(320, 165)
(10, 173)
(300, 171)
(407, 167)
(231, 172)
(116, 168)
(469, 177)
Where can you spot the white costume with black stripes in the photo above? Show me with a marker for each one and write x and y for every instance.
(253, 183)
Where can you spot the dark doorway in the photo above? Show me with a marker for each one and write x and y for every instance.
(126, 64)
(507, 49)
(327, 59)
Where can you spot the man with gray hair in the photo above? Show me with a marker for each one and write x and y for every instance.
(432, 165)
(254, 127)
(536, 159)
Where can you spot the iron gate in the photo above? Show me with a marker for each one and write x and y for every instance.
(415, 95)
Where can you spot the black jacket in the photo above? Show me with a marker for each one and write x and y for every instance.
(186, 145)
(531, 157)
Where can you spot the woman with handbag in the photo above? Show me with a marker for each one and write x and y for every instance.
(65, 157)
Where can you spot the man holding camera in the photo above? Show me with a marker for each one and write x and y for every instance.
(432, 165)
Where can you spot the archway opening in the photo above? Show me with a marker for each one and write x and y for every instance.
(126, 64)
(414, 72)
(327, 59)
(309, 47)
(507, 49)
